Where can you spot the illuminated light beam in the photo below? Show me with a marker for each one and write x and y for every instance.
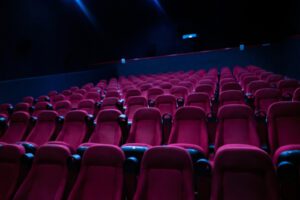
(189, 36)
(158, 5)
(86, 12)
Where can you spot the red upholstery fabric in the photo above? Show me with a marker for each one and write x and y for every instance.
(87, 105)
(166, 173)
(288, 86)
(146, 127)
(179, 91)
(18, 127)
(109, 103)
(296, 95)
(48, 175)
(255, 85)
(205, 88)
(154, 92)
(29, 100)
(75, 99)
(189, 127)
(94, 96)
(236, 125)
(101, 174)
(40, 106)
(284, 124)
(74, 128)
(107, 130)
(231, 97)
(132, 92)
(166, 104)
(112, 94)
(230, 86)
(199, 99)
(57, 98)
(134, 103)
(44, 128)
(22, 107)
(243, 172)
(4, 109)
(63, 107)
(10, 169)
(265, 97)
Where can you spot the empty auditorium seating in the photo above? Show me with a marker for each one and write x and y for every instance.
(44, 129)
(231, 97)
(189, 129)
(30, 100)
(113, 93)
(265, 97)
(87, 105)
(205, 88)
(57, 98)
(166, 104)
(40, 106)
(166, 173)
(43, 98)
(134, 103)
(179, 91)
(152, 93)
(230, 86)
(5, 110)
(243, 172)
(236, 125)
(107, 129)
(199, 99)
(255, 85)
(146, 128)
(11, 170)
(101, 174)
(63, 107)
(18, 128)
(94, 96)
(48, 176)
(75, 99)
(22, 107)
(74, 129)
(287, 87)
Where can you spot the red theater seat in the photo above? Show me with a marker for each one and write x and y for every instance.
(146, 128)
(17, 128)
(41, 106)
(87, 105)
(63, 107)
(47, 178)
(230, 86)
(44, 129)
(134, 103)
(287, 87)
(57, 98)
(107, 130)
(236, 125)
(199, 99)
(166, 173)
(256, 85)
(101, 174)
(179, 91)
(94, 96)
(109, 103)
(154, 92)
(231, 97)
(29, 100)
(166, 104)
(25, 107)
(205, 88)
(265, 97)
(5, 110)
(243, 172)
(75, 99)
(189, 129)
(11, 170)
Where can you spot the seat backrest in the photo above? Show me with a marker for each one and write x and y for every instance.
(146, 127)
(22, 107)
(17, 128)
(81, 91)
(288, 86)
(94, 96)
(256, 85)
(41, 106)
(230, 86)
(179, 91)
(296, 95)
(283, 124)
(132, 92)
(44, 128)
(199, 99)
(243, 172)
(209, 89)
(248, 79)
(107, 130)
(74, 89)
(101, 174)
(87, 105)
(189, 126)
(109, 103)
(236, 125)
(29, 100)
(10, 169)
(63, 107)
(113, 93)
(57, 98)
(231, 97)
(265, 97)
(5, 109)
(134, 103)
(166, 173)
(74, 129)
(273, 79)
(48, 176)
(75, 99)
(66, 93)
(166, 104)
(154, 92)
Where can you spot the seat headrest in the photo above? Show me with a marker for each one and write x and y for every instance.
(268, 93)
(198, 96)
(108, 115)
(20, 116)
(47, 115)
(147, 114)
(11, 152)
(190, 113)
(76, 115)
(52, 153)
(235, 111)
(63, 104)
(284, 108)
(165, 98)
(104, 155)
(137, 100)
(166, 157)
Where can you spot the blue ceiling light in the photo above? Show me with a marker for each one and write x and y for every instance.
(86, 12)
(189, 36)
